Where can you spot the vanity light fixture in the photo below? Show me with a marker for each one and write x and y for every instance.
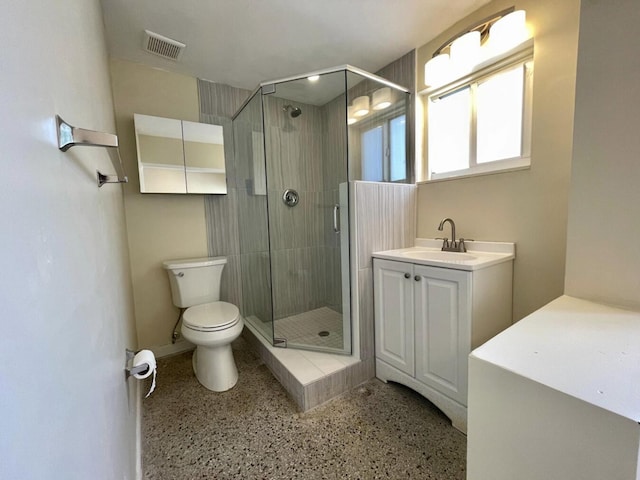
(478, 43)
(465, 52)
(507, 32)
(360, 106)
(436, 70)
(313, 78)
(381, 98)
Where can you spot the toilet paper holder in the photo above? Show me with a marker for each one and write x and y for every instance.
(128, 371)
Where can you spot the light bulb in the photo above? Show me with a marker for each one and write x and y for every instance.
(436, 70)
(381, 98)
(465, 52)
(360, 106)
(509, 31)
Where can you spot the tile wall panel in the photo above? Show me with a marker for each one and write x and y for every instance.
(220, 99)
(333, 385)
(221, 212)
(385, 218)
(253, 230)
(256, 279)
(218, 103)
(298, 283)
(294, 152)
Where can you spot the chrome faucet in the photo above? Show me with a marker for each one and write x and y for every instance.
(454, 245)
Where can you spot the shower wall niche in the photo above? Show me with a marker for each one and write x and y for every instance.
(297, 146)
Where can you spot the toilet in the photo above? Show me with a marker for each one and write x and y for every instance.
(208, 323)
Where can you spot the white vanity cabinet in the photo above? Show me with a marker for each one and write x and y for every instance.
(429, 318)
(422, 323)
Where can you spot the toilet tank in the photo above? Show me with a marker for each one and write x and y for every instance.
(195, 281)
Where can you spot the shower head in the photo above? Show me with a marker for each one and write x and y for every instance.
(293, 111)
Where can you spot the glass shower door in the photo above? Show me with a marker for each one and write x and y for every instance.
(306, 167)
(253, 229)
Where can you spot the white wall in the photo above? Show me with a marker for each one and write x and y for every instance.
(603, 245)
(66, 411)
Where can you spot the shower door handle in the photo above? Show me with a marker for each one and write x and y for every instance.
(336, 224)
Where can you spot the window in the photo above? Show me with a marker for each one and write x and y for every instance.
(481, 124)
(384, 147)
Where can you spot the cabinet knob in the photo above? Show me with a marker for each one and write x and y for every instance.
(407, 275)
(417, 278)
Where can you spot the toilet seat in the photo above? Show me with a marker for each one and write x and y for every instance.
(211, 317)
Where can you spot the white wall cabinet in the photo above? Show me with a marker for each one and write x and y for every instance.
(427, 321)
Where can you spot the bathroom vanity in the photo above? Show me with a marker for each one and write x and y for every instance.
(432, 308)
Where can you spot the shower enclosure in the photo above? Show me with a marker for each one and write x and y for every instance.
(298, 143)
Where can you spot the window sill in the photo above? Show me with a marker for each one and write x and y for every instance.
(491, 168)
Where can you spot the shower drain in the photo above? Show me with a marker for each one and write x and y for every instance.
(323, 333)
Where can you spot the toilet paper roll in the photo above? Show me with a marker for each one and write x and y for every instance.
(148, 359)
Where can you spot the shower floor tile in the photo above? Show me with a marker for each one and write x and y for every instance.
(304, 328)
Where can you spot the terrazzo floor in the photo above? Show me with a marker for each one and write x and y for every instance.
(254, 431)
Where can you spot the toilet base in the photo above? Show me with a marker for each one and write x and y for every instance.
(213, 361)
(215, 367)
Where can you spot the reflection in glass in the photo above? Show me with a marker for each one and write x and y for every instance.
(204, 158)
(373, 154)
(176, 156)
(377, 139)
(160, 154)
(398, 149)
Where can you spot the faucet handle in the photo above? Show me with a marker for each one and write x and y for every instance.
(461, 246)
(445, 242)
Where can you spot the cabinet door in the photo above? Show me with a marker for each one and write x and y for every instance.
(393, 291)
(443, 318)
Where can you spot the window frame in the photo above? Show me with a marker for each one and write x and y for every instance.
(384, 121)
(521, 55)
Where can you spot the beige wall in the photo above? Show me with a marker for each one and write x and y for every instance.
(603, 259)
(160, 226)
(528, 207)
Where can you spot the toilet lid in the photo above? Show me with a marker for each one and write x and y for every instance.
(211, 316)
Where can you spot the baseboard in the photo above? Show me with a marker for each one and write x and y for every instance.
(172, 348)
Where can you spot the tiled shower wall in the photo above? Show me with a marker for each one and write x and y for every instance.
(218, 103)
(295, 161)
(252, 210)
(334, 145)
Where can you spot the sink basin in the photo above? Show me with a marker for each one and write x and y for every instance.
(439, 255)
(428, 252)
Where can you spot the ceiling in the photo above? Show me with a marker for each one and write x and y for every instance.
(245, 42)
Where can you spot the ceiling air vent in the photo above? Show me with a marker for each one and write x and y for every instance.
(162, 46)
